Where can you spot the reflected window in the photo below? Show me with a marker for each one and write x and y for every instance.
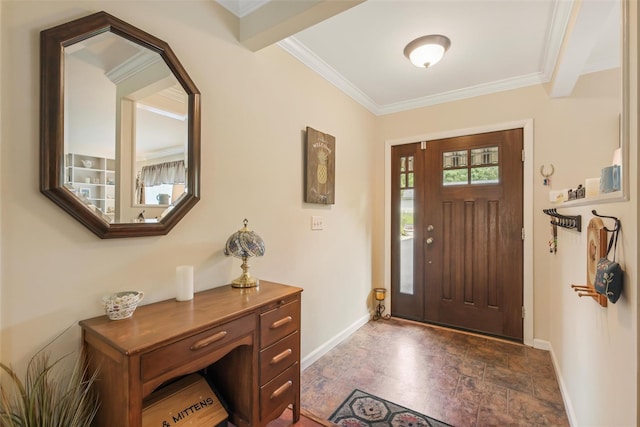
(161, 183)
(163, 194)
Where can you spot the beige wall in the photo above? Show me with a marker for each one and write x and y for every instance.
(255, 107)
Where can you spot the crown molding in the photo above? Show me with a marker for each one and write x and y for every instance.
(311, 60)
(242, 8)
(307, 57)
(559, 22)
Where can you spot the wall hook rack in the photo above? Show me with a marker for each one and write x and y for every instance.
(565, 221)
(589, 291)
(616, 226)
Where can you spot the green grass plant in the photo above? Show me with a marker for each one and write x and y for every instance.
(48, 395)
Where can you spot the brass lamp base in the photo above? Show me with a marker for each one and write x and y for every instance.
(245, 280)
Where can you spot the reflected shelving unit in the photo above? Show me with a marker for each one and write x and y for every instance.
(92, 178)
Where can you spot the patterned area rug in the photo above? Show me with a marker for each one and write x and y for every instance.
(362, 409)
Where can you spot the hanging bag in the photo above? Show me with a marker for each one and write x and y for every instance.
(609, 275)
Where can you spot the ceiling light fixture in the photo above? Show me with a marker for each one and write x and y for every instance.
(427, 50)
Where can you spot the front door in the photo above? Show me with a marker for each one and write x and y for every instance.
(466, 237)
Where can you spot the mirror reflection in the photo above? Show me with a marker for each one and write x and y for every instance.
(119, 128)
(125, 130)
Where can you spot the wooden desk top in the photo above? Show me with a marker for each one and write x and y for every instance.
(153, 325)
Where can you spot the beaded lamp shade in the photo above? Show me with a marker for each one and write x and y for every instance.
(244, 244)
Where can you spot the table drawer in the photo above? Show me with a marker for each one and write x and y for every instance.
(279, 392)
(279, 356)
(278, 323)
(189, 349)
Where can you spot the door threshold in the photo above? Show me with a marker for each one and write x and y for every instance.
(459, 330)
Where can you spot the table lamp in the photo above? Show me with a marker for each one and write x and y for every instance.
(244, 244)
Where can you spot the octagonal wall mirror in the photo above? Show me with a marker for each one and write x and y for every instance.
(120, 128)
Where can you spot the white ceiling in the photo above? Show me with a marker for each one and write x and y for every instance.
(495, 45)
(161, 127)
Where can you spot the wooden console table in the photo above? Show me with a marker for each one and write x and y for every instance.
(246, 340)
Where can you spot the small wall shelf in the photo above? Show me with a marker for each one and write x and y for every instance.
(616, 196)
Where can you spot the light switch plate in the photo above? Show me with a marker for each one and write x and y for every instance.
(317, 222)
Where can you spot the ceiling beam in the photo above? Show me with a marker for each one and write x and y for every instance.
(277, 20)
(583, 32)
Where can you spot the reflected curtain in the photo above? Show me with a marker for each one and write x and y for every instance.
(139, 189)
(164, 173)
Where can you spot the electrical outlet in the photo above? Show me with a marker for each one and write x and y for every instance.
(317, 223)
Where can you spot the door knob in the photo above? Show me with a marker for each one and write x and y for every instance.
(429, 241)
(430, 227)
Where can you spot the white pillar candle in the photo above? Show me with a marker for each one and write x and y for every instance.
(184, 282)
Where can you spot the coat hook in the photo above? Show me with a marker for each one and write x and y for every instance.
(617, 221)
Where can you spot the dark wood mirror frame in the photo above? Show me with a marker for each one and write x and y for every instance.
(52, 169)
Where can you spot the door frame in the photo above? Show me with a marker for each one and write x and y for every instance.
(527, 209)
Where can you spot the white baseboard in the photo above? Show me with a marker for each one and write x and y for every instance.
(546, 345)
(541, 344)
(324, 348)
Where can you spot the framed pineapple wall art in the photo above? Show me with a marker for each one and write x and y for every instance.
(320, 161)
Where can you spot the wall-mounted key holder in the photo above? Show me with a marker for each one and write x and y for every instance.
(573, 222)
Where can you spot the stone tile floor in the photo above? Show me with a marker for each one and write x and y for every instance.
(459, 378)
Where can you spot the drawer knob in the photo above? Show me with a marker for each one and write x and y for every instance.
(281, 390)
(209, 340)
(281, 322)
(280, 357)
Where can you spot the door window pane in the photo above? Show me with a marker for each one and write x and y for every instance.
(455, 177)
(484, 167)
(454, 159)
(485, 175)
(484, 156)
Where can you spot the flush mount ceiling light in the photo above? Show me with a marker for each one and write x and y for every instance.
(427, 50)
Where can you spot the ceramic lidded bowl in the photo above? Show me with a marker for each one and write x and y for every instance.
(121, 305)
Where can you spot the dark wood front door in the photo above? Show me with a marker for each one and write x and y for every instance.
(467, 243)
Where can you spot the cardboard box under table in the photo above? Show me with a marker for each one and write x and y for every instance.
(187, 402)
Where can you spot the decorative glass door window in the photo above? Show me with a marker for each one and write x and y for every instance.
(484, 167)
(407, 178)
(454, 168)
